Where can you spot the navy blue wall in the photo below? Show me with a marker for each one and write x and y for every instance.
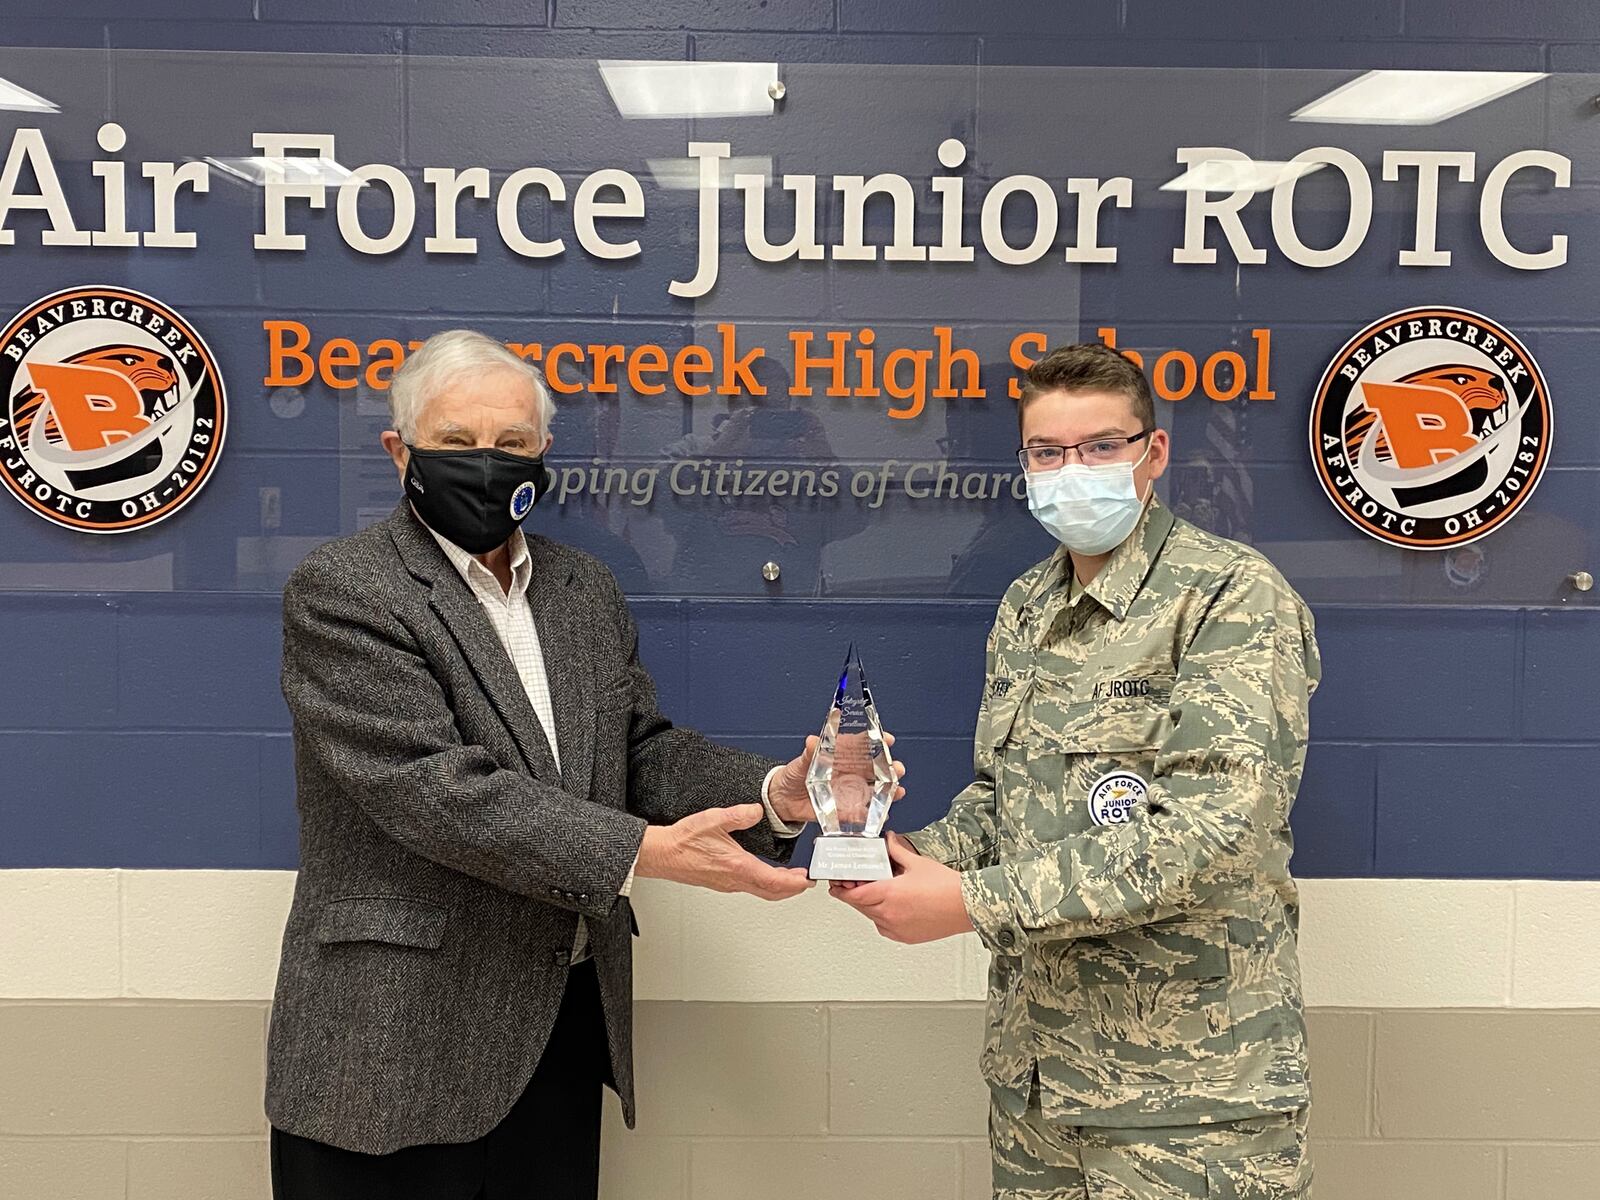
(148, 730)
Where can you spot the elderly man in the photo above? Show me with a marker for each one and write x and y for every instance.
(482, 773)
(1124, 848)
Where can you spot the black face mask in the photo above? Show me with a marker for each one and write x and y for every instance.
(474, 498)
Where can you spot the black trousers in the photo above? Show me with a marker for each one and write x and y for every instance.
(546, 1148)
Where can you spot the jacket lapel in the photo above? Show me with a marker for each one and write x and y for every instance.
(463, 617)
(559, 612)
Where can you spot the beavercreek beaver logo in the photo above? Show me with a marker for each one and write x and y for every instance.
(112, 413)
(1431, 427)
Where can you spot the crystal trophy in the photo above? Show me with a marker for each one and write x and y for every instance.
(851, 783)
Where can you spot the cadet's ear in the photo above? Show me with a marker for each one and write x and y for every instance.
(1160, 453)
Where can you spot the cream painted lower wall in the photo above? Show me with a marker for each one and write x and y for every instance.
(848, 1100)
(787, 1051)
(1364, 943)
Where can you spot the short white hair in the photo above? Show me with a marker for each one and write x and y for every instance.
(445, 358)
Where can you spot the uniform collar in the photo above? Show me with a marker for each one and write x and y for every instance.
(1123, 576)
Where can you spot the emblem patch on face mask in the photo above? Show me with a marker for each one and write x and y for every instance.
(522, 500)
(1113, 797)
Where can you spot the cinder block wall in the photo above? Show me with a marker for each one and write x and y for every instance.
(787, 1051)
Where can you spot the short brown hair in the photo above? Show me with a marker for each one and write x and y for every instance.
(1089, 367)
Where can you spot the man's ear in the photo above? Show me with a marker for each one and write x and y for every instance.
(394, 445)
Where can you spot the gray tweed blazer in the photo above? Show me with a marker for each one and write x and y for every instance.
(443, 858)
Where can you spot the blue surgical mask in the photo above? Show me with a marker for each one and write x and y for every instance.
(1090, 510)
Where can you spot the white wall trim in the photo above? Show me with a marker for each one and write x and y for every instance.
(1365, 943)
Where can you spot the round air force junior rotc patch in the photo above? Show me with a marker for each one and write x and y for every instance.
(1113, 796)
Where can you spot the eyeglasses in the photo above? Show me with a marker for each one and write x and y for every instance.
(1096, 452)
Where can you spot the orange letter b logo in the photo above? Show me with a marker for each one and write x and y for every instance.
(1423, 425)
(93, 407)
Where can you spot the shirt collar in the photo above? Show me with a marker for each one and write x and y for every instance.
(1122, 578)
(474, 572)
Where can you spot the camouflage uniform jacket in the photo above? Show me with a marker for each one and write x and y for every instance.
(1125, 846)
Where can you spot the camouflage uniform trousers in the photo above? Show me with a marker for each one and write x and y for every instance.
(1257, 1158)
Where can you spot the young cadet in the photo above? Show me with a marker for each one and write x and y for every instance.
(1124, 848)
